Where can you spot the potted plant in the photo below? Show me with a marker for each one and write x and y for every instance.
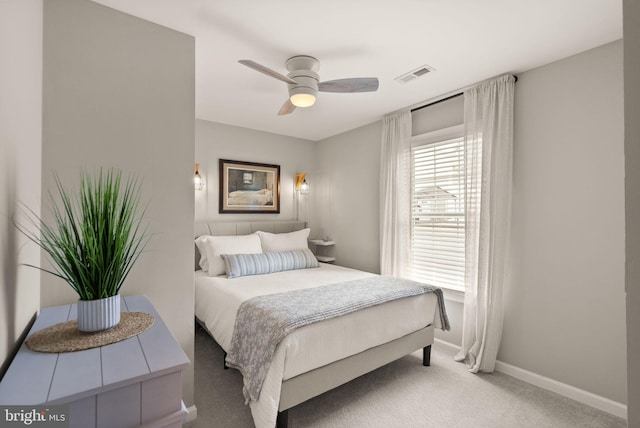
(93, 241)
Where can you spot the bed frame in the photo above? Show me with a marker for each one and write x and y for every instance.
(315, 382)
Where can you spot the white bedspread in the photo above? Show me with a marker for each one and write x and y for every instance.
(312, 346)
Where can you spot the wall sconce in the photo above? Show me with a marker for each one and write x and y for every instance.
(197, 179)
(302, 188)
(301, 183)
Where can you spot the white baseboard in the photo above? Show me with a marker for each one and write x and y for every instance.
(577, 394)
(193, 413)
(450, 346)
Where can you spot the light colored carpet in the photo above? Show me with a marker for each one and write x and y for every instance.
(402, 394)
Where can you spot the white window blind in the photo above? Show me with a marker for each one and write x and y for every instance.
(437, 227)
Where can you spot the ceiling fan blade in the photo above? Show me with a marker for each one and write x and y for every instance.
(266, 70)
(356, 84)
(287, 108)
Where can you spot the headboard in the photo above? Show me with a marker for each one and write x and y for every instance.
(227, 228)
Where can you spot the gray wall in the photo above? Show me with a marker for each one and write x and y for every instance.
(564, 307)
(20, 157)
(632, 195)
(331, 165)
(565, 313)
(347, 195)
(216, 141)
(118, 91)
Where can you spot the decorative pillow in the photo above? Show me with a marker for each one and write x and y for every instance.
(272, 242)
(217, 245)
(258, 264)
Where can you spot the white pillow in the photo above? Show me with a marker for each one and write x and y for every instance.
(284, 241)
(217, 245)
(202, 249)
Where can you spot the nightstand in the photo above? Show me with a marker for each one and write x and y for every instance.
(136, 382)
(324, 250)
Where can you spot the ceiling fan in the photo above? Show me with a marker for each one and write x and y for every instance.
(303, 82)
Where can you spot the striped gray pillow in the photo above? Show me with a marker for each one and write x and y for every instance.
(257, 264)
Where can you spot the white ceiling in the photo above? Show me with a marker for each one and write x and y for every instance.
(466, 41)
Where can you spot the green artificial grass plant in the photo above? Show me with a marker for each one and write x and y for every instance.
(96, 236)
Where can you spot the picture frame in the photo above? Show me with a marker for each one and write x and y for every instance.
(249, 187)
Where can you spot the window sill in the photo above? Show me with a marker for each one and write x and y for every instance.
(453, 295)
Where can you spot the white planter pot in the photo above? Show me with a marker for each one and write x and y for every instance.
(98, 315)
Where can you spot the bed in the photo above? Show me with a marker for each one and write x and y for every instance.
(318, 357)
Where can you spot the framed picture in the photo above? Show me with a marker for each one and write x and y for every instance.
(248, 187)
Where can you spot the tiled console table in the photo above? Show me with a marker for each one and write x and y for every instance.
(133, 383)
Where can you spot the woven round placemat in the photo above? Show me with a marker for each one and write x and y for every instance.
(65, 337)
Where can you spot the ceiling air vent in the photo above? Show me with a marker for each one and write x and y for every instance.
(414, 74)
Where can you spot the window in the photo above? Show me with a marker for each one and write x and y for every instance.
(437, 226)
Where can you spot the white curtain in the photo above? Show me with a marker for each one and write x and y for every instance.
(488, 129)
(395, 194)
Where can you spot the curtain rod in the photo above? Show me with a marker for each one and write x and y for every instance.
(436, 102)
(445, 99)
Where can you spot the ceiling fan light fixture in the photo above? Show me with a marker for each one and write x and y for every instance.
(302, 97)
(304, 83)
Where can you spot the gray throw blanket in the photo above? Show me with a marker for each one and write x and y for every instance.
(263, 321)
